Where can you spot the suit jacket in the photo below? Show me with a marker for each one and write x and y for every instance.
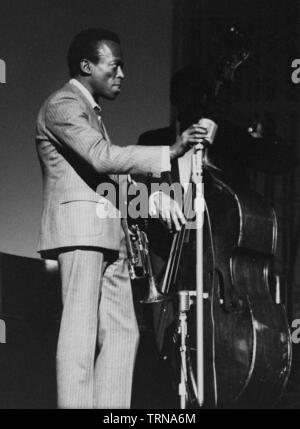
(76, 156)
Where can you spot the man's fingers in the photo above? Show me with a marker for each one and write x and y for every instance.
(166, 217)
(172, 214)
(196, 140)
(177, 217)
(169, 223)
(176, 223)
(178, 213)
(198, 133)
(197, 127)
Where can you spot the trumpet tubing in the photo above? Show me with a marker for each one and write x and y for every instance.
(139, 262)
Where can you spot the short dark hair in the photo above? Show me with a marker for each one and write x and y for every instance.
(85, 45)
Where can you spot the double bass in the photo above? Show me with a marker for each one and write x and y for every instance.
(247, 345)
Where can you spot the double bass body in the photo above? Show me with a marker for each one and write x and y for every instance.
(247, 346)
(247, 351)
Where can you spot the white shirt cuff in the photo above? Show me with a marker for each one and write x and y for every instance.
(165, 159)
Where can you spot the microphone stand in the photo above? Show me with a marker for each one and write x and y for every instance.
(185, 296)
(199, 207)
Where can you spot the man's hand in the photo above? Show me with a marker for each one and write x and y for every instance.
(162, 205)
(195, 134)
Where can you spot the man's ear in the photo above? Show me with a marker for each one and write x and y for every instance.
(85, 67)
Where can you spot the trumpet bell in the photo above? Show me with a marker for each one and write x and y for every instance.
(154, 295)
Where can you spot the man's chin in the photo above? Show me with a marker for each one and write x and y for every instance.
(117, 91)
(111, 96)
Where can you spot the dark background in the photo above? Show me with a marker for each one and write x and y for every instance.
(34, 38)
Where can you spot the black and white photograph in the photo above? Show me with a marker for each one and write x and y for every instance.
(149, 207)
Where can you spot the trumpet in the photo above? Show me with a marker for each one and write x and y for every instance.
(139, 261)
(135, 239)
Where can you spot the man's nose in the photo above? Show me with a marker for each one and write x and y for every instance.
(120, 73)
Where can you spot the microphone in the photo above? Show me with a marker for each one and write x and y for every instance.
(211, 127)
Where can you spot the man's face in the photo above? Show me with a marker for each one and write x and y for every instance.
(107, 75)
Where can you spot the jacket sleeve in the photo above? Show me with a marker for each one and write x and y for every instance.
(67, 122)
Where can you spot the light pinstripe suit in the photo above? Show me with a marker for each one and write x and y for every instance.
(76, 155)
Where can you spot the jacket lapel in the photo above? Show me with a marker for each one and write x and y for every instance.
(92, 113)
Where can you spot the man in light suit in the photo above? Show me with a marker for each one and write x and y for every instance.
(98, 334)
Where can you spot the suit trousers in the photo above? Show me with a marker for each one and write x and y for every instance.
(99, 334)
